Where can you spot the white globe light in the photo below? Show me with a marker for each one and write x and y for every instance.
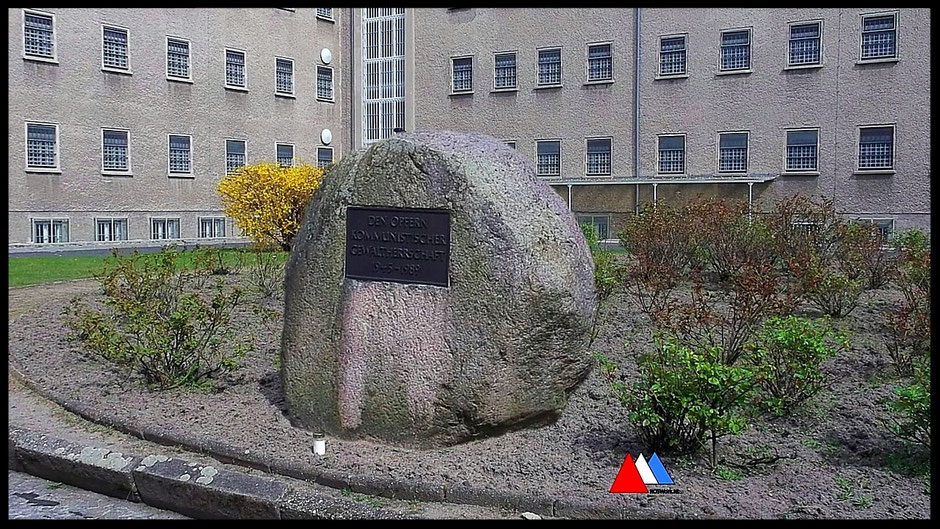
(326, 55)
(326, 136)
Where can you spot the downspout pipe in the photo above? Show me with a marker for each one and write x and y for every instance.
(352, 68)
(636, 107)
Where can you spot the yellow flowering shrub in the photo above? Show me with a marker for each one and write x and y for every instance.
(268, 200)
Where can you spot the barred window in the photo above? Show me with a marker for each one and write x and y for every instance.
(38, 35)
(177, 58)
(876, 148)
(732, 152)
(180, 155)
(114, 150)
(463, 74)
(672, 56)
(285, 76)
(383, 66)
(50, 230)
(735, 50)
(324, 83)
(550, 67)
(600, 64)
(598, 156)
(672, 154)
(110, 230)
(324, 156)
(601, 224)
(804, 44)
(235, 68)
(505, 70)
(234, 155)
(548, 161)
(802, 150)
(41, 147)
(211, 227)
(325, 12)
(114, 48)
(285, 155)
(885, 229)
(161, 229)
(879, 37)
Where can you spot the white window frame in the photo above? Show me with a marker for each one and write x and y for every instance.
(293, 78)
(190, 174)
(515, 87)
(225, 69)
(894, 148)
(323, 17)
(611, 154)
(112, 69)
(32, 229)
(332, 154)
(798, 172)
(293, 153)
(380, 109)
(821, 43)
(166, 60)
(593, 216)
(887, 245)
(130, 168)
(215, 218)
(685, 152)
(58, 160)
(55, 44)
(587, 63)
(747, 158)
(166, 219)
(112, 219)
(561, 67)
(897, 37)
(750, 53)
(540, 140)
(659, 57)
(332, 99)
(513, 142)
(454, 58)
(225, 147)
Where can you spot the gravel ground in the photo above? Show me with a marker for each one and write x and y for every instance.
(841, 462)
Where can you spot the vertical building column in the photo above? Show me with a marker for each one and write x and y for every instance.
(569, 197)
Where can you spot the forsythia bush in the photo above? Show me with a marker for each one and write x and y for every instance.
(268, 201)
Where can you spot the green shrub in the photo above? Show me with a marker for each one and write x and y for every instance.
(267, 272)
(829, 290)
(909, 324)
(728, 239)
(863, 255)
(608, 273)
(912, 407)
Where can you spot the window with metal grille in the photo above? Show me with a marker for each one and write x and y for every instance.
(114, 48)
(735, 50)
(211, 227)
(876, 148)
(325, 12)
(324, 156)
(324, 83)
(804, 44)
(601, 224)
(732, 152)
(180, 155)
(802, 150)
(550, 67)
(672, 154)
(879, 37)
(114, 150)
(177, 58)
(600, 65)
(672, 56)
(38, 35)
(285, 155)
(285, 76)
(598, 156)
(234, 155)
(463, 74)
(548, 154)
(383, 66)
(165, 229)
(41, 149)
(50, 230)
(110, 230)
(235, 68)
(505, 76)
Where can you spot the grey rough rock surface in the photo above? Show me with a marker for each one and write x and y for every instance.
(423, 366)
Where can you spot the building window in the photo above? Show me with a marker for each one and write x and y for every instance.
(38, 35)
(804, 44)
(114, 48)
(732, 152)
(463, 74)
(672, 154)
(285, 77)
(876, 148)
(50, 230)
(324, 83)
(550, 67)
(325, 13)
(600, 64)
(505, 75)
(672, 56)
(735, 50)
(324, 156)
(161, 229)
(109, 230)
(511, 144)
(211, 227)
(115, 154)
(235, 69)
(285, 155)
(179, 157)
(177, 58)
(885, 229)
(601, 224)
(234, 155)
(802, 150)
(383, 67)
(548, 155)
(598, 156)
(42, 147)
(879, 37)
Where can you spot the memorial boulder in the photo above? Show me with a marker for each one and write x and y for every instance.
(437, 292)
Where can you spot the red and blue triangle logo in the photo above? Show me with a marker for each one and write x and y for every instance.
(628, 479)
(634, 476)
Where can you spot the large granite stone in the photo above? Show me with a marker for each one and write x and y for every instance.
(418, 365)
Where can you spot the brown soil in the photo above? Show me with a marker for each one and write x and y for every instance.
(844, 464)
